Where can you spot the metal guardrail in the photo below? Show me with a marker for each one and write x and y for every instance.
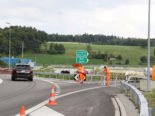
(134, 77)
(102, 77)
(90, 77)
(138, 98)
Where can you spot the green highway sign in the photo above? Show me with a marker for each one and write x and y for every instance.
(81, 53)
(81, 60)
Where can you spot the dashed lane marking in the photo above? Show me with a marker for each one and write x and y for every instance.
(58, 89)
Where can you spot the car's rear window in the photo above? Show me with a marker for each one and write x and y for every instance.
(23, 66)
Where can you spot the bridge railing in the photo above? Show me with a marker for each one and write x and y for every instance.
(138, 98)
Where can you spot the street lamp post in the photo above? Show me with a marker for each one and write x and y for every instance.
(9, 44)
(148, 62)
(22, 49)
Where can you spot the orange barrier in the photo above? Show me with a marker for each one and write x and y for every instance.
(153, 73)
(76, 65)
(52, 97)
(22, 111)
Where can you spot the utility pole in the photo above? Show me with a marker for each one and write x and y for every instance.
(35, 58)
(148, 60)
(22, 49)
(9, 45)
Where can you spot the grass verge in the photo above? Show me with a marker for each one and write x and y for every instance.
(151, 99)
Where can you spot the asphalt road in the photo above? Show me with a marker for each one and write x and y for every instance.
(88, 103)
(14, 94)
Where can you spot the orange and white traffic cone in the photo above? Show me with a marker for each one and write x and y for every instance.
(22, 111)
(52, 97)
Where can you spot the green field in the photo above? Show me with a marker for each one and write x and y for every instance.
(151, 99)
(133, 53)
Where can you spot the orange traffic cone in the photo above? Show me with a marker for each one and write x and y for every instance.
(22, 111)
(52, 97)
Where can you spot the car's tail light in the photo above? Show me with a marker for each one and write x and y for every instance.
(15, 70)
(30, 71)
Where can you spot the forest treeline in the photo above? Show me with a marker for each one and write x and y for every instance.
(100, 39)
(31, 37)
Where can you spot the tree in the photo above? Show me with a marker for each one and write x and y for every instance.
(100, 39)
(127, 61)
(105, 56)
(98, 55)
(89, 48)
(119, 57)
(31, 37)
(52, 49)
(56, 49)
(110, 62)
(45, 46)
(143, 59)
(59, 48)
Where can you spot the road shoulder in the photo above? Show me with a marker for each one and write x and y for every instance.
(129, 106)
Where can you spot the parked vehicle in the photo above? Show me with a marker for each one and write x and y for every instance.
(22, 71)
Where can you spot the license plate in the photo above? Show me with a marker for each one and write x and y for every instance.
(23, 71)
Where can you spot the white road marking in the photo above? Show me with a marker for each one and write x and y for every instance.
(117, 112)
(60, 96)
(1, 81)
(58, 89)
(45, 111)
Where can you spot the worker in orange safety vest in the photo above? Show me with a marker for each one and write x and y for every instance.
(81, 74)
(107, 72)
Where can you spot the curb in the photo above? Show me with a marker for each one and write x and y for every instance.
(119, 107)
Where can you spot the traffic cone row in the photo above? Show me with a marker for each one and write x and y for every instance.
(52, 97)
(51, 101)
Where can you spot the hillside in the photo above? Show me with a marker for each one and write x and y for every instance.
(133, 53)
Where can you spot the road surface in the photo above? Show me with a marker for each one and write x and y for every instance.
(95, 102)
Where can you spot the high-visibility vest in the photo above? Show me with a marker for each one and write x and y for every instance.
(82, 70)
(107, 72)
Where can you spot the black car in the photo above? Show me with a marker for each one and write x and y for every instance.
(22, 71)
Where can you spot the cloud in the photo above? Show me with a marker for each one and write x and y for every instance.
(127, 18)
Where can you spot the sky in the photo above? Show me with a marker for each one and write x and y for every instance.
(124, 18)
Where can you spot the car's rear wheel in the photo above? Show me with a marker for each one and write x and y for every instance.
(13, 78)
(30, 79)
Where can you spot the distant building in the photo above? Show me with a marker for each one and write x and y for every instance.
(111, 58)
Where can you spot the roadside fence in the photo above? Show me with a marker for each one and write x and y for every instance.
(90, 77)
(138, 98)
